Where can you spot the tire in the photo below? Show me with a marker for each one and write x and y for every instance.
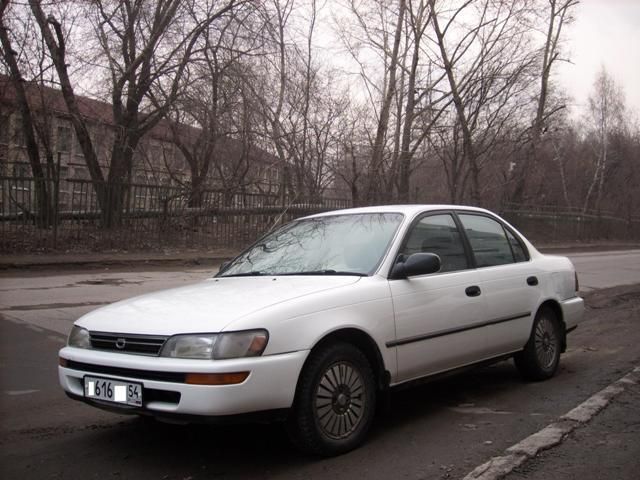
(335, 401)
(541, 355)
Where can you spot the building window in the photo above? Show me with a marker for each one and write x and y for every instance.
(4, 128)
(155, 154)
(4, 158)
(64, 139)
(272, 175)
(18, 132)
(81, 173)
(21, 169)
(77, 149)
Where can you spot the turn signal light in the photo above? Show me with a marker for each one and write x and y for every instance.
(62, 362)
(231, 378)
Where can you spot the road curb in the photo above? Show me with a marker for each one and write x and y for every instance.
(554, 433)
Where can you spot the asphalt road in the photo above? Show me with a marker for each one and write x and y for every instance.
(439, 430)
(607, 269)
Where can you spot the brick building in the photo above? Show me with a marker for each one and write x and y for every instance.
(157, 161)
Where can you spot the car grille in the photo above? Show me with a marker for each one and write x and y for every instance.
(127, 343)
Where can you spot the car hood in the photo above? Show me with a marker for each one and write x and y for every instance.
(207, 306)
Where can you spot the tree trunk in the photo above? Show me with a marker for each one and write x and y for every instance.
(117, 185)
(418, 25)
(468, 150)
(521, 172)
(57, 49)
(44, 207)
(377, 157)
(196, 196)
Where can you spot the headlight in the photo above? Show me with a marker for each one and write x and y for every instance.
(189, 346)
(79, 337)
(250, 343)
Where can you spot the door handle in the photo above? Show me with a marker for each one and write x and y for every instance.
(473, 291)
(533, 281)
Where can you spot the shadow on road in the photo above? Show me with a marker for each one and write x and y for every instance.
(144, 448)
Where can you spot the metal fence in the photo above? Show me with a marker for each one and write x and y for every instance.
(548, 224)
(153, 216)
(157, 216)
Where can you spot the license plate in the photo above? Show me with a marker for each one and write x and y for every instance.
(116, 391)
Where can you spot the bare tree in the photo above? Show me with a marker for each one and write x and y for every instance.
(555, 14)
(211, 116)
(351, 165)
(146, 46)
(623, 176)
(31, 126)
(419, 16)
(276, 15)
(299, 102)
(374, 190)
(400, 88)
(605, 115)
(486, 68)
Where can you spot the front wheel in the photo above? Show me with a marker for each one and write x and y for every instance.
(335, 401)
(541, 355)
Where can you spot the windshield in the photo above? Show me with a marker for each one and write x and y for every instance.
(350, 244)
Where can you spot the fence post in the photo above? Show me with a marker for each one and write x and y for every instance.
(56, 196)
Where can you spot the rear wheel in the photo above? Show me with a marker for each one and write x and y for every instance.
(335, 401)
(541, 355)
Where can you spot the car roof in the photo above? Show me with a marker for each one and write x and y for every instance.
(408, 210)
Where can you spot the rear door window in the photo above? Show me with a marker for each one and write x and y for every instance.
(488, 240)
(519, 251)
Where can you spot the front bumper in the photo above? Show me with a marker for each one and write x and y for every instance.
(271, 383)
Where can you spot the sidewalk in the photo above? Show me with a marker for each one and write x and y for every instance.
(165, 258)
(608, 447)
(576, 247)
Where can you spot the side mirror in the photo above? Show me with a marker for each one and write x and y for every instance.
(416, 264)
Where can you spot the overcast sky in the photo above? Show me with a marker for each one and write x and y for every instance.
(605, 32)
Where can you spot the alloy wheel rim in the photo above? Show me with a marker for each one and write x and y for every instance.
(546, 343)
(340, 400)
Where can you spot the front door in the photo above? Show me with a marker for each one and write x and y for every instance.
(440, 317)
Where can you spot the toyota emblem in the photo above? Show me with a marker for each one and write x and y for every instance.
(121, 343)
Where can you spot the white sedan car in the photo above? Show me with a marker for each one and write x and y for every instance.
(317, 319)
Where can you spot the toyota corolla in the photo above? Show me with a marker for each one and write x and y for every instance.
(317, 319)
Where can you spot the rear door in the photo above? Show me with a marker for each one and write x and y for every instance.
(509, 278)
(439, 317)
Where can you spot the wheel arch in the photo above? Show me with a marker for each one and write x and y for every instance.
(365, 343)
(555, 307)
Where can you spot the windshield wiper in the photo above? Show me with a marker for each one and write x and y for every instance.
(328, 271)
(307, 272)
(244, 274)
